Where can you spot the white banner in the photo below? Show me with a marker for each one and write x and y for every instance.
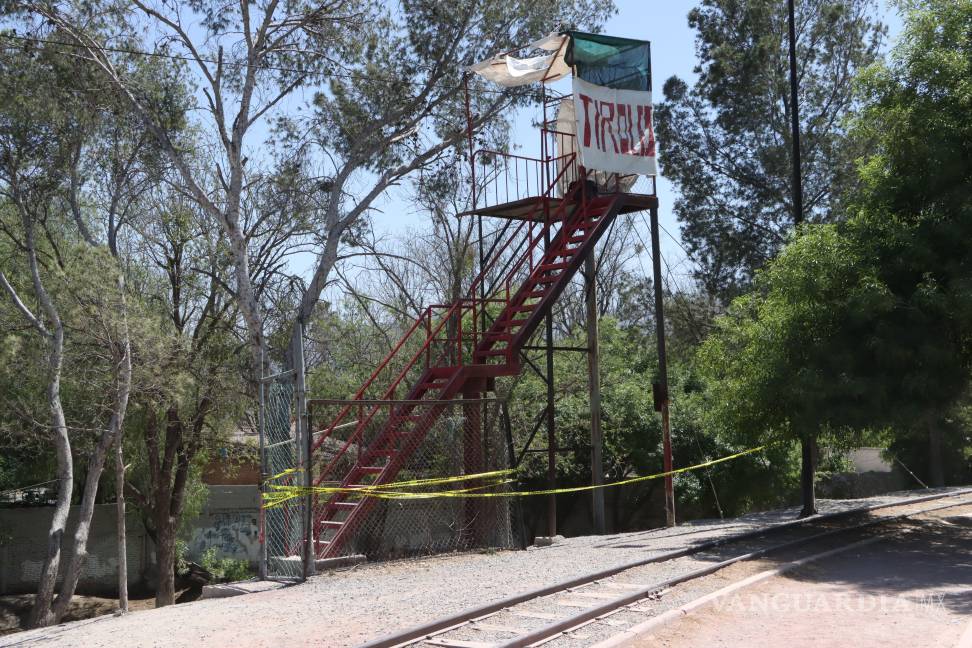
(614, 129)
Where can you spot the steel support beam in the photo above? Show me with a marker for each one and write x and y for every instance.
(662, 392)
(535, 347)
(551, 419)
(594, 387)
(472, 451)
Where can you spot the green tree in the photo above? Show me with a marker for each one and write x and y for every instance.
(726, 141)
(387, 101)
(790, 360)
(914, 213)
(189, 375)
(866, 325)
(632, 431)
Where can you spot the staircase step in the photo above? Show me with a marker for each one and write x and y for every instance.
(405, 426)
(410, 418)
(511, 323)
(524, 307)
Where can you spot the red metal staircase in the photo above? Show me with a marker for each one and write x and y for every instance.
(451, 362)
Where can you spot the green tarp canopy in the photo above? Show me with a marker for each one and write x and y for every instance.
(621, 63)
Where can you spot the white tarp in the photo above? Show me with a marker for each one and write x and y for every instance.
(614, 129)
(567, 146)
(510, 71)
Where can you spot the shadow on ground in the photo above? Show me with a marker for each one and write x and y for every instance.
(927, 560)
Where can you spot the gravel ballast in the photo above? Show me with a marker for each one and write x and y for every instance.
(346, 607)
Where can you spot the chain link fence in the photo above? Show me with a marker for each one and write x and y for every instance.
(407, 441)
(282, 525)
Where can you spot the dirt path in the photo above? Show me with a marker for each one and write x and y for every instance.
(15, 608)
(911, 590)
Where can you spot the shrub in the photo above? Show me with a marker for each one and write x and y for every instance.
(225, 569)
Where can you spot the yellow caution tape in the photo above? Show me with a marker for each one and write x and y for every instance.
(282, 493)
(278, 494)
(430, 481)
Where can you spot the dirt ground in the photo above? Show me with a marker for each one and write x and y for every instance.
(14, 608)
(910, 590)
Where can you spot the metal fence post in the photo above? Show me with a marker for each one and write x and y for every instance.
(261, 425)
(303, 440)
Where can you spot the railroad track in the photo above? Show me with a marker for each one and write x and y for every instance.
(578, 612)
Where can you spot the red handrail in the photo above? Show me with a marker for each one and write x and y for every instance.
(426, 347)
(366, 419)
(457, 308)
(370, 380)
(533, 242)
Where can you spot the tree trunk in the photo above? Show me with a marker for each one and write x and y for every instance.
(79, 553)
(122, 393)
(808, 465)
(96, 464)
(122, 532)
(165, 561)
(936, 469)
(169, 475)
(41, 613)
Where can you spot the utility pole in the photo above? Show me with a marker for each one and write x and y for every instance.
(594, 386)
(661, 388)
(795, 123)
(807, 444)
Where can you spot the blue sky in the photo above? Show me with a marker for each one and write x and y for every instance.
(665, 24)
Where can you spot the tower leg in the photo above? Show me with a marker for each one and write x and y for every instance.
(662, 395)
(594, 384)
(474, 530)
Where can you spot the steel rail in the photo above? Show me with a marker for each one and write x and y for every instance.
(439, 626)
(563, 625)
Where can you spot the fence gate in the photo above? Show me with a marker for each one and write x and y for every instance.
(282, 526)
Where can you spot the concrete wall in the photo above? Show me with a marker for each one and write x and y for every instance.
(871, 474)
(228, 522)
(23, 545)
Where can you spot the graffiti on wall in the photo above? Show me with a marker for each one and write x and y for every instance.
(234, 533)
